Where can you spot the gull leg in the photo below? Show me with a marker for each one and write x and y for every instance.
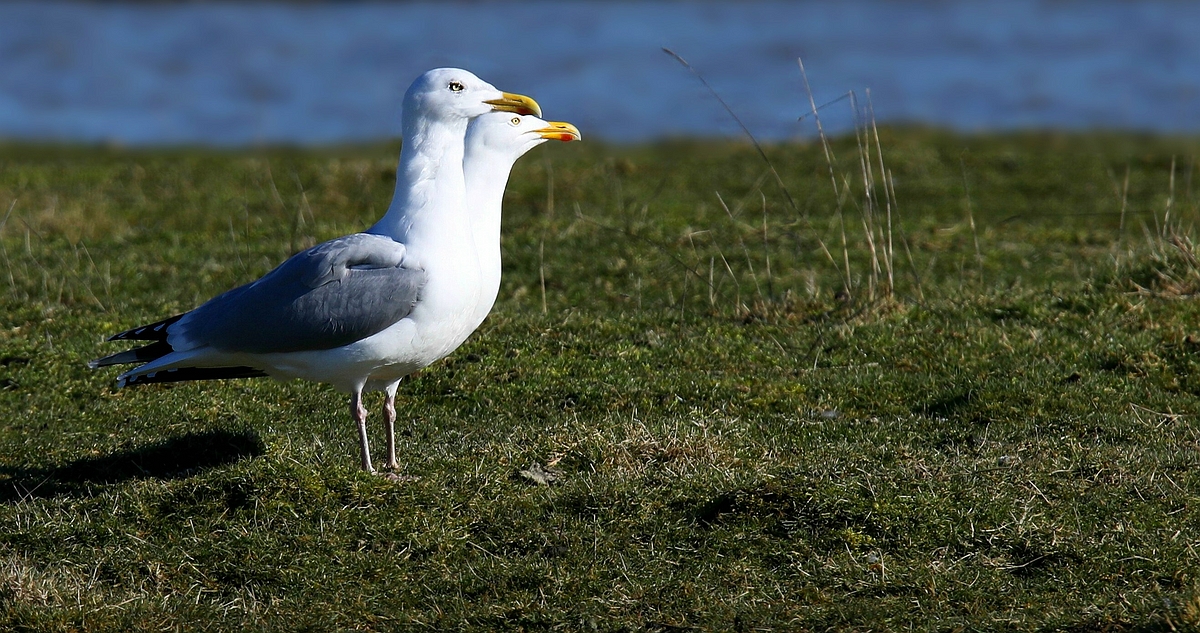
(389, 421)
(360, 417)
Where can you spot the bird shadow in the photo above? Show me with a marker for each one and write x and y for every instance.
(173, 458)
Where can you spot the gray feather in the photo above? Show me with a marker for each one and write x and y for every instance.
(333, 294)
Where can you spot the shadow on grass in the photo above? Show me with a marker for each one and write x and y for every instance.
(174, 458)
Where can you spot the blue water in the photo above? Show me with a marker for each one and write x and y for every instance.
(235, 74)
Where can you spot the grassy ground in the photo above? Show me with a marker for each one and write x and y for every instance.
(753, 413)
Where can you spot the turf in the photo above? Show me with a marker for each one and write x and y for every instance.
(706, 399)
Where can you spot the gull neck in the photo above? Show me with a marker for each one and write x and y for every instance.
(429, 179)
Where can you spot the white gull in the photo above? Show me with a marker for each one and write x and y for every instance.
(494, 143)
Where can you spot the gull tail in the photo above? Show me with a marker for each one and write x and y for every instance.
(183, 374)
(166, 369)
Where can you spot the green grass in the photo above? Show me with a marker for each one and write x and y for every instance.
(1003, 437)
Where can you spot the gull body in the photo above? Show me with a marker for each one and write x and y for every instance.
(363, 311)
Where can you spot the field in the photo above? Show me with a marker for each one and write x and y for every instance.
(924, 381)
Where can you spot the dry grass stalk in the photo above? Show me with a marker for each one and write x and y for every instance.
(829, 161)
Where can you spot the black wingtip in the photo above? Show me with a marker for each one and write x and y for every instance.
(144, 354)
(156, 331)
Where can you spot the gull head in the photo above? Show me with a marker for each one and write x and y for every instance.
(453, 94)
(514, 134)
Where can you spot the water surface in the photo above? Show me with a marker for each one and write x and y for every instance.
(234, 74)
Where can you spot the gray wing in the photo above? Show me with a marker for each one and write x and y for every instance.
(330, 295)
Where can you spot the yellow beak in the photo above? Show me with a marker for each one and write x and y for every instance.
(509, 102)
(560, 131)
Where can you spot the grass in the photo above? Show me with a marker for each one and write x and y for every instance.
(740, 423)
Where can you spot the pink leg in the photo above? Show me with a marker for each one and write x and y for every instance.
(389, 420)
(360, 417)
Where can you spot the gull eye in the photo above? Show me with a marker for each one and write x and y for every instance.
(515, 120)
(456, 86)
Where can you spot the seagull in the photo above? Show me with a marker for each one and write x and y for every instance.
(362, 311)
(494, 143)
